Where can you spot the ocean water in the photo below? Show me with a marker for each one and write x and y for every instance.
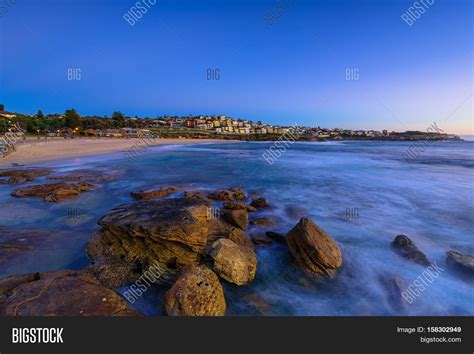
(362, 194)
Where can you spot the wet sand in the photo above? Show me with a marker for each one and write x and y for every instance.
(33, 151)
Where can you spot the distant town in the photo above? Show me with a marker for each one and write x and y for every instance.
(70, 125)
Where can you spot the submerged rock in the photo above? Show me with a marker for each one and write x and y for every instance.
(261, 239)
(96, 175)
(264, 222)
(152, 193)
(259, 303)
(228, 194)
(197, 292)
(408, 250)
(260, 203)
(238, 218)
(233, 205)
(232, 262)
(61, 293)
(296, 212)
(276, 236)
(394, 287)
(20, 176)
(14, 243)
(172, 232)
(55, 192)
(314, 251)
(462, 263)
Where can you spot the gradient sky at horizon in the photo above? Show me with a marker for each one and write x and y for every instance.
(291, 72)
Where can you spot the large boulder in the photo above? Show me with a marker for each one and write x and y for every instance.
(237, 218)
(407, 249)
(61, 293)
(171, 232)
(314, 251)
(462, 263)
(96, 175)
(235, 263)
(55, 192)
(228, 194)
(197, 292)
(219, 229)
(154, 192)
(25, 175)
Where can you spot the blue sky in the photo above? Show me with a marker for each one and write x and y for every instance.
(293, 71)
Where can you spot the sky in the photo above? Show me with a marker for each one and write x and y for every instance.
(332, 63)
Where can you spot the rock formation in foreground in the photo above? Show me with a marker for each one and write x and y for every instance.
(61, 293)
(197, 292)
(26, 175)
(314, 251)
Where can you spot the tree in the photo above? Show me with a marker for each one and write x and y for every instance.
(72, 119)
(40, 114)
(119, 119)
(2, 107)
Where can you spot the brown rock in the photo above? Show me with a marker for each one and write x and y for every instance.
(62, 293)
(199, 195)
(197, 292)
(20, 176)
(238, 218)
(314, 251)
(55, 192)
(260, 203)
(463, 263)
(228, 194)
(156, 192)
(264, 222)
(233, 205)
(232, 262)
(219, 229)
(172, 232)
(408, 250)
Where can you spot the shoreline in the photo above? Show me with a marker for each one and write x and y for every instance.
(32, 152)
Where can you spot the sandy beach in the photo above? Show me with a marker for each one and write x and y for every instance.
(33, 151)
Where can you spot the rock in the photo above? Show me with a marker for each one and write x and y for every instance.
(197, 292)
(219, 229)
(228, 194)
(264, 222)
(394, 286)
(276, 236)
(20, 176)
(314, 251)
(259, 303)
(115, 273)
(156, 192)
(232, 262)
(55, 192)
(238, 218)
(463, 263)
(260, 203)
(261, 239)
(171, 232)
(232, 205)
(96, 175)
(408, 249)
(14, 243)
(61, 293)
(199, 195)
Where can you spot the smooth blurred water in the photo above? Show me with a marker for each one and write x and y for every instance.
(430, 200)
